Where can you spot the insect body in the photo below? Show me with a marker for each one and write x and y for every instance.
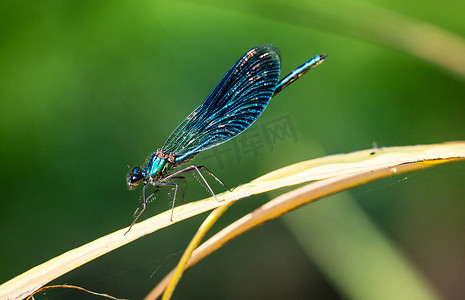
(235, 103)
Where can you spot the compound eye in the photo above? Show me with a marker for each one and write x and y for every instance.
(134, 178)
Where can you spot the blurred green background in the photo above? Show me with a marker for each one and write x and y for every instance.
(90, 87)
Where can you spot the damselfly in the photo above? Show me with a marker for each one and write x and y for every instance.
(235, 103)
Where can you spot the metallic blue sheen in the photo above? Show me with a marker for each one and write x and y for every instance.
(235, 103)
(232, 107)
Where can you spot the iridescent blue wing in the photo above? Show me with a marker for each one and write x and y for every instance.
(235, 103)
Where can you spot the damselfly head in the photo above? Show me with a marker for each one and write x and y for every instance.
(134, 177)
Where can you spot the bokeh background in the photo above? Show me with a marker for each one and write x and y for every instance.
(88, 88)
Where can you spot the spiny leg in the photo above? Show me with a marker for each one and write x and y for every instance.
(144, 203)
(214, 176)
(143, 206)
(174, 197)
(183, 185)
(192, 168)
